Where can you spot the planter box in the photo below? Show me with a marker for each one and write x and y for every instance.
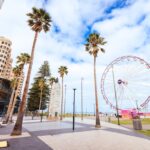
(137, 124)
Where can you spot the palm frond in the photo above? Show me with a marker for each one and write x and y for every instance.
(103, 50)
(39, 19)
(94, 43)
(62, 70)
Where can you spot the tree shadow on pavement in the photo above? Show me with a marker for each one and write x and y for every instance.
(130, 133)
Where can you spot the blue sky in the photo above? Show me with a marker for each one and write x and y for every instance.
(125, 24)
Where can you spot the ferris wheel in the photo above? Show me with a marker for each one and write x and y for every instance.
(125, 83)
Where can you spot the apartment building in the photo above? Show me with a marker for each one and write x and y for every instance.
(5, 58)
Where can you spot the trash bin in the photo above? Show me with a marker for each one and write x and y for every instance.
(109, 119)
(137, 124)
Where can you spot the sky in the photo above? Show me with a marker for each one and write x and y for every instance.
(125, 25)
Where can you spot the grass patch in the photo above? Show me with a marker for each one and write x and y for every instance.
(145, 121)
(122, 122)
(145, 132)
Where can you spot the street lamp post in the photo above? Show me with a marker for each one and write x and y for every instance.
(137, 107)
(81, 98)
(65, 101)
(115, 95)
(73, 109)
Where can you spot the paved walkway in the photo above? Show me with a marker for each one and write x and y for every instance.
(59, 136)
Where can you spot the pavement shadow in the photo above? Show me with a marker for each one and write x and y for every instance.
(130, 133)
(8, 129)
(59, 131)
(26, 143)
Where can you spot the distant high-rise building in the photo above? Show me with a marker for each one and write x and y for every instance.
(1, 3)
(6, 62)
(55, 100)
(6, 75)
(21, 85)
(5, 58)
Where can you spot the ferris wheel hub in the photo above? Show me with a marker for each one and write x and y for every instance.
(122, 82)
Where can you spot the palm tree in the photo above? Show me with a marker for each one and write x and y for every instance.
(16, 72)
(93, 46)
(41, 84)
(62, 70)
(22, 60)
(16, 93)
(52, 80)
(39, 20)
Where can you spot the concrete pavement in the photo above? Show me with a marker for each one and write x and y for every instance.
(109, 137)
(59, 136)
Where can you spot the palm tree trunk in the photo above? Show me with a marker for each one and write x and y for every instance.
(17, 130)
(96, 97)
(61, 117)
(41, 105)
(40, 100)
(42, 115)
(32, 115)
(15, 100)
(13, 107)
(10, 106)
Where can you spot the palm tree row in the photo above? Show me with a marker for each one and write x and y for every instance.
(40, 20)
(23, 59)
(14, 81)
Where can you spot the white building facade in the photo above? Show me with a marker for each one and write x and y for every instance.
(55, 100)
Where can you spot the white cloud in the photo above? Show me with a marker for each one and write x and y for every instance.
(123, 34)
